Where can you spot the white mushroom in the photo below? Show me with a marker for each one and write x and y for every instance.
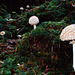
(68, 33)
(73, 5)
(10, 19)
(33, 20)
(27, 6)
(2, 33)
(19, 36)
(21, 8)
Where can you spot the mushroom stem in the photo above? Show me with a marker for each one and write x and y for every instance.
(2, 37)
(21, 11)
(52, 49)
(34, 26)
(74, 56)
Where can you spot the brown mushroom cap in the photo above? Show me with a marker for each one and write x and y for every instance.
(68, 33)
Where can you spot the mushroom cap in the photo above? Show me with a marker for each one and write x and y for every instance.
(2, 33)
(21, 8)
(28, 6)
(73, 5)
(19, 36)
(33, 20)
(68, 33)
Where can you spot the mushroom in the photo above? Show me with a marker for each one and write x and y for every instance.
(33, 20)
(10, 19)
(19, 36)
(73, 5)
(18, 64)
(68, 33)
(21, 8)
(2, 33)
(28, 6)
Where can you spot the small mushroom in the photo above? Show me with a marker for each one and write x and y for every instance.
(21, 8)
(73, 5)
(33, 20)
(68, 33)
(2, 33)
(19, 36)
(28, 6)
(18, 64)
(11, 19)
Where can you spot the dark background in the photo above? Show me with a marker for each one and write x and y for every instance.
(14, 5)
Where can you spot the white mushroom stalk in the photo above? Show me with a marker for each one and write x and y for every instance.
(73, 42)
(33, 20)
(68, 33)
(74, 56)
(34, 26)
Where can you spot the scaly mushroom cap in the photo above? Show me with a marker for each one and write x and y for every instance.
(68, 33)
(33, 20)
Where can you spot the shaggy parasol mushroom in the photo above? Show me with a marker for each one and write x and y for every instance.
(68, 33)
(33, 20)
